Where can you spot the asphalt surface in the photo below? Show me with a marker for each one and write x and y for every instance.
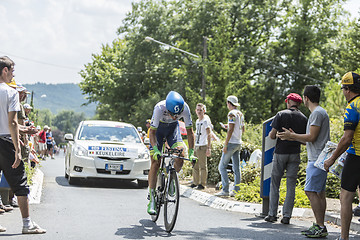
(117, 210)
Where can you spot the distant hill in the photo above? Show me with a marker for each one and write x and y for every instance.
(57, 97)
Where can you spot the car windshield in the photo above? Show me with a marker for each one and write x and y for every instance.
(109, 133)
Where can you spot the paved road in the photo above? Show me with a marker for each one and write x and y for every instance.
(106, 210)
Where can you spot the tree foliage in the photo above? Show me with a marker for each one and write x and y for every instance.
(257, 50)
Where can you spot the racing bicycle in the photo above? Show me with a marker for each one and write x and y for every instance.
(167, 191)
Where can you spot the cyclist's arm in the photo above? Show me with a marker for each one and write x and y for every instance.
(152, 137)
(191, 137)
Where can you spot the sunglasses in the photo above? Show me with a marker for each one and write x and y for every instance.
(344, 87)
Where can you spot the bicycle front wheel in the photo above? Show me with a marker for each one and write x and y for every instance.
(171, 204)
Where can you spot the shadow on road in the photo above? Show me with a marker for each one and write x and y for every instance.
(147, 228)
(99, 183)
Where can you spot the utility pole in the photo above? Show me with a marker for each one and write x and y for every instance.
(203, 77)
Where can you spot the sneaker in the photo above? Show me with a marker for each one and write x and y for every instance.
(308, 231)
(6, 208)
(151, 208)
(193, 185)
(52, 158)
(2, 229)
(35, 229)
(356, 211)
(233, 193)
(270, 219)
(14, 203)
(317, 232)
(200, 187)
(222, 194)
(285, 220)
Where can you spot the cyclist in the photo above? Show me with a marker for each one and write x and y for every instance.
(165, 126)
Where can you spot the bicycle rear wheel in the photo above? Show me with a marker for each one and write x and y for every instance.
(171, 204)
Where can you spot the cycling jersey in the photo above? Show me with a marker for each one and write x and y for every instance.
(351, 122)
(166, 127)
(161, 114)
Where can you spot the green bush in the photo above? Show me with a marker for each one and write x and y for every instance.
(29, 173)
(301, 200)
(250, 192)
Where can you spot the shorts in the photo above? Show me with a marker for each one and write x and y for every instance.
(42, 146)
(350, 178)
(16, 178)
(315, 178)
(49, 146)
(169, 132)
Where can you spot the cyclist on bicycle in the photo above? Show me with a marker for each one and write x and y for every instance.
(165, 126)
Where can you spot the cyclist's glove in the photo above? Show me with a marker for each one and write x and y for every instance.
(192, 158)
(155, 153)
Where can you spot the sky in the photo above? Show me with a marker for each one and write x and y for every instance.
(51, 40)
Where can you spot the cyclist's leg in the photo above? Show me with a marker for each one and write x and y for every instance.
(174, 140)
(155, 164)
(152, 178)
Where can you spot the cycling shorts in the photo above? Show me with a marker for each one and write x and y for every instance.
(350, 178)
(169, 132)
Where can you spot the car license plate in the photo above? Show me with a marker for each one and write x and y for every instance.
(114, 167)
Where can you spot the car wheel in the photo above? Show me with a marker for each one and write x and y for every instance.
(142, 183)
(73, 180)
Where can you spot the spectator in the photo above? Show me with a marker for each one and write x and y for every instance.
(202, 147)
(27, 108)
(148, 123)
(356, 210)
(49, 143)
(232, 147)
(10, 153)
(42, 142)
(349, 142)
(286, 157)
(317, 134)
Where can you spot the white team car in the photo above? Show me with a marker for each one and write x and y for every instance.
(106, 149)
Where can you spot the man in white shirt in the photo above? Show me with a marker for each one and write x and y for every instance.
(202, 147)
(232, 147)
(10, 153)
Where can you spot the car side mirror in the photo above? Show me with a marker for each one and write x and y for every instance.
(69, 137)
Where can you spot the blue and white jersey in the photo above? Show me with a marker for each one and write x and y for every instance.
(161, 115)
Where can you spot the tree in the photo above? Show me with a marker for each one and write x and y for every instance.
(257, 50)
(67, 121)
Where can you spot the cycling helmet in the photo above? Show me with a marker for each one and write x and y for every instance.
(174, 103)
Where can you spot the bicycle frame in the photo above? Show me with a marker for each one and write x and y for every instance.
(167, 189)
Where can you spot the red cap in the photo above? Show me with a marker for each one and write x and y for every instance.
(295, 97)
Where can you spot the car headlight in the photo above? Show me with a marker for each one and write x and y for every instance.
(144, 154)
(80, 151)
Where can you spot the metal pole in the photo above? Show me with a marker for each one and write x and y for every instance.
(203, 77)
